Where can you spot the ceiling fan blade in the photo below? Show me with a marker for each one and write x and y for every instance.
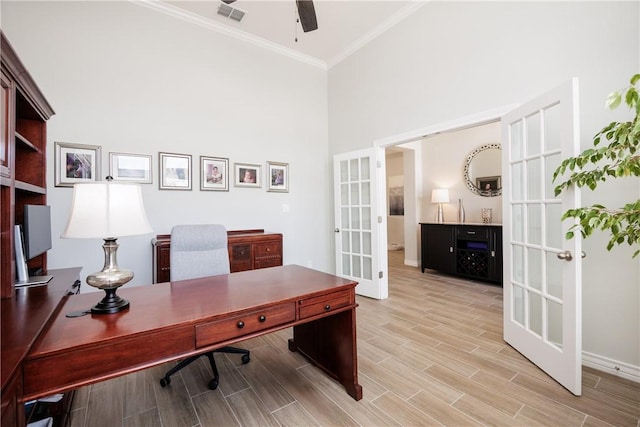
(228, 1)
(307, 14)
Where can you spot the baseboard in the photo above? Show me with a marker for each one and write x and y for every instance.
(610, 366)
(411, 262)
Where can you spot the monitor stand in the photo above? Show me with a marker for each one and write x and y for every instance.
(34, 281)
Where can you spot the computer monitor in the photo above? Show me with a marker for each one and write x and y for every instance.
(32, 238)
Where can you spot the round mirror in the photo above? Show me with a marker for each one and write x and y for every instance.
(483, 170)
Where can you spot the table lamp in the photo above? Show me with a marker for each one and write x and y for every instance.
(107, 210)
(440, 196)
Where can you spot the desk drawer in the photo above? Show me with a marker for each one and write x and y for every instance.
(323, 304)
(225, 329)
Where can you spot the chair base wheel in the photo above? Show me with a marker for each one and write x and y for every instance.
(213, 384)
(165, 381)
(245, 359)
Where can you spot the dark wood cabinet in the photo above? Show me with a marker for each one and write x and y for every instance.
(469, 250)
(248, 250)
(22, 157)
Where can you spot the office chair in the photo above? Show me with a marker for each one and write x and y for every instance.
(200, 251)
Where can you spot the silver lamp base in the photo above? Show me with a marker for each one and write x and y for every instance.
(109, 279)
(440, 214)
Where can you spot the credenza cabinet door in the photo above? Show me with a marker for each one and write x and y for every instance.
(438, 248)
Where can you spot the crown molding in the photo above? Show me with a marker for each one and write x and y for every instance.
(228, 31)
(371, 35)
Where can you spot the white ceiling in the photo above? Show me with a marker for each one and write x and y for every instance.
(343, 25)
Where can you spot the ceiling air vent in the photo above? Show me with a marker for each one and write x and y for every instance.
(230, 12)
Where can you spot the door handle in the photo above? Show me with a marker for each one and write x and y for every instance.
(336, 230)
(566, 255)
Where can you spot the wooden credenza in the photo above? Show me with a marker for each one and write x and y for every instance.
(248, 250)
(469, 250)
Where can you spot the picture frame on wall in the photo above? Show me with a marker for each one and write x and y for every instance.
(214, 173)
(130, 167)
(278, 177)
(76, 163)
(175, 171)
(247, 175)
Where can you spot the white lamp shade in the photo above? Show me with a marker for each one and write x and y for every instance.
(106, 209)
(440, 195)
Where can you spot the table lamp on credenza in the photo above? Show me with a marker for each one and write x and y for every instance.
(440, 196)
(107, 210)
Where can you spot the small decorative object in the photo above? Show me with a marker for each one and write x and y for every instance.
(247, 175)
(76, 163)
(214, 173)
(175, 171)
(278, 175)
(107, 210)
(440, 196)
(486, 215)
(460, 212)
(130, 167)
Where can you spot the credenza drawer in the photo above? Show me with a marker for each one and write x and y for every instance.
(326, 303)
(225, 329)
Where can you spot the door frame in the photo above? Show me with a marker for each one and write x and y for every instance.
(472, 120)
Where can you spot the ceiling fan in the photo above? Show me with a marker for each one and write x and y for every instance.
(306, 12)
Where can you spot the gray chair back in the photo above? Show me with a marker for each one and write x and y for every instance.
(198, 251)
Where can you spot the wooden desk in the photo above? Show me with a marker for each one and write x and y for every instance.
(169, 321)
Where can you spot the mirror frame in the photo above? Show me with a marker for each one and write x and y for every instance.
(467, 179)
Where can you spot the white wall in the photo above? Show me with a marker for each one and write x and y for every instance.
(133, 80)
(443, 160)
(454, 59)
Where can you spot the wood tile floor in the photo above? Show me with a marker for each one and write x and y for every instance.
(431, 354)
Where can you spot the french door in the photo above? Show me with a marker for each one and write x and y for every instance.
(542, 270)
(360, 227)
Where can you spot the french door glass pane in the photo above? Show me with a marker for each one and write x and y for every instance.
(516, 141)
(534, 190)
(535, 313)
(554, 323)
(357, 269)
(533, 134)
(365, 168)
(355, 218)
(517, 181)
(554, 275)
(355, 242)
(366, 243)
(354, 172)
(534, 225)
(366, 218)
(366, 193)
(344, 194)
(517, 223)
(551, 163)
(344, 213)
(355, 194)
(535, 268)
(518, 264)
(518, 304)
(346, 247)
(553, 229)
(367, 268)
(346, 264)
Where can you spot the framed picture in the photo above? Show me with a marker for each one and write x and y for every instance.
(76, 163)
(130, 167)
(247, 175)
(278, 175)
(488, 183)
(214, 173)
(175, 171)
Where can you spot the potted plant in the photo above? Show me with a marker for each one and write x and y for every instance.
(619, 158)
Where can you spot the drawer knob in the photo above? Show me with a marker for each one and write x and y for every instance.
(262, 318)
(240, 324)
(327, 307)
(268, 249)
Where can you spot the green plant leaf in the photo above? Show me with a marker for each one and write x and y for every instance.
(613, 100)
